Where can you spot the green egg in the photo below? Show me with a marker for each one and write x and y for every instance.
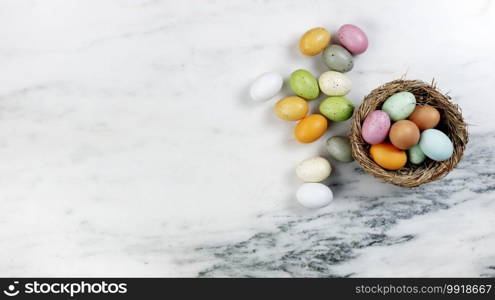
(337, 108)
(337, 58)
(339, 148)
(400, 105)
(416, 155)
(304, 84)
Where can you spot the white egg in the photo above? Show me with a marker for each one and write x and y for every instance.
(266, 86)
(314, 195)
(314, 169)
(334, 83)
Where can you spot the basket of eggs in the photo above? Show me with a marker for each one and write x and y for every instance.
(408, 133)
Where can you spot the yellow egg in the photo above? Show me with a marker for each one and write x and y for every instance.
(291, 108)
(388, 156)
(314, 41)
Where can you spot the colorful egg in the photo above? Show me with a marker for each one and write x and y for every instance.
(314, 41)
(425, 117)
(314, 169)
(339, 148)
(400, 105)
(416, 155)
(404, 134)
(311, 128)
(314, 195)
(291, 108)
(304, 84)
(436, 145)
(375, 127)
(337, 58)
(353, 39)
(337, 108)
(334, 83)
(266, 86)
(388, 156)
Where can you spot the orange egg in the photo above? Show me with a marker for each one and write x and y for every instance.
(314, 41)
(404, 134)
(387, 156)
(425, 117)
(311, 128)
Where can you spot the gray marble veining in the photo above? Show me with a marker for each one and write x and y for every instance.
(320, 245)
(129, 147)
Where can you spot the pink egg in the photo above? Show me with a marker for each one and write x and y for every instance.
(353, 39)
(375, 127)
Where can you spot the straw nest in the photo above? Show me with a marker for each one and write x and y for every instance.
(451, 123)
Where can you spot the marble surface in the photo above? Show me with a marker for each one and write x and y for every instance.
(129, 147)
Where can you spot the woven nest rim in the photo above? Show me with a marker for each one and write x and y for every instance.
(451, 123)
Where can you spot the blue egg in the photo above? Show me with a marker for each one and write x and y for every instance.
(436, 145)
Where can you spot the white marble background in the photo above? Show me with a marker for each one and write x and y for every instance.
(128, 146)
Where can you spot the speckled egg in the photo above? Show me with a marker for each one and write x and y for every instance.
(400, 105)
(337, 58)
(304, 84)
(337, 108)
(416, 155)
(314, 195)
(266, 86)
(339, 148)
(334, 83)
(436, 145)
(353, 38)
(314, 41)
(375, 127)
(314, 169)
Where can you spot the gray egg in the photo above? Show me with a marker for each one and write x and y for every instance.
(339, 148)
(337, 58)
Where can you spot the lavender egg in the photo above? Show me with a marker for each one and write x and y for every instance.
(375, 127)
